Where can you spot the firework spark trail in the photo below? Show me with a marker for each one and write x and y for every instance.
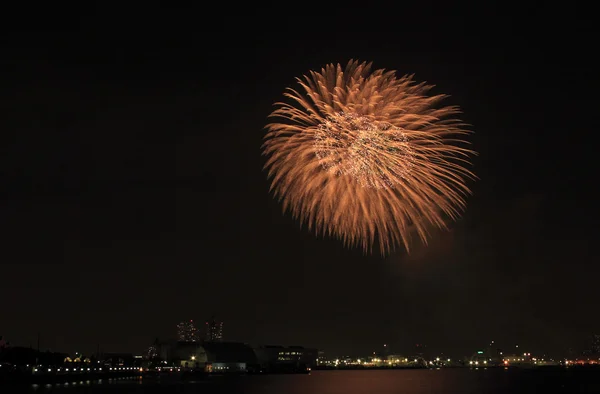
(364, 155)
(352, 145)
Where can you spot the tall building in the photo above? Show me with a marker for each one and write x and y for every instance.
(386, 351)
(595, 348)
(214, 330)
(187, 332)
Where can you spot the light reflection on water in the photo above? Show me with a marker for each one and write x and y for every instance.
(482, 381)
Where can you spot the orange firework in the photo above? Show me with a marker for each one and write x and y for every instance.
(364, 155)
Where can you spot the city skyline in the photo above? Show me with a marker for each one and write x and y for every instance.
(133, 192)
(186, 335)
(187, 332)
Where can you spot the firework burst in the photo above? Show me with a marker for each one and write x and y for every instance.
(364, 155)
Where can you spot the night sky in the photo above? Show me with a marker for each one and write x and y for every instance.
(132, 194)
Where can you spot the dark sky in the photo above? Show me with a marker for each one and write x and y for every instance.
(132, 194)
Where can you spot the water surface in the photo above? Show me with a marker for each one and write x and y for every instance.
(480, 381)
